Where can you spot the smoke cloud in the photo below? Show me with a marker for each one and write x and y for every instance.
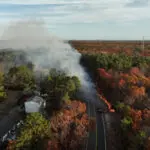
(47, 51)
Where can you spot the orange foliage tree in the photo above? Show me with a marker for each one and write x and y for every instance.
(146, 116)
(131, 90)
(132, 85)
(136, 116)
(70, 125)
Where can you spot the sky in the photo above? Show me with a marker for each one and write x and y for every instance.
(83, 19)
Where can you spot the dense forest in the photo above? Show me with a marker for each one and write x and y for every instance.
(123, 82)
(65, 123)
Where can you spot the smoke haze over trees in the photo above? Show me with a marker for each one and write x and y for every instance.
(46, 51)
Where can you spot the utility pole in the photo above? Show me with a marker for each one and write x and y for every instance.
(143, 46)
(143, 43)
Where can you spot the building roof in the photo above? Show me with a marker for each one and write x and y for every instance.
(36, 99)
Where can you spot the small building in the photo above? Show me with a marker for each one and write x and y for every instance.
(34, 104)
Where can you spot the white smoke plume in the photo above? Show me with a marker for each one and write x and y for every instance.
(47, 51)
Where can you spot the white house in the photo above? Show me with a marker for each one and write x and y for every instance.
(34, 104)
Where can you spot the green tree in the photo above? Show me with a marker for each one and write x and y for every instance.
(137, 51)
(119, 106)
(3, 94)
(141, 136)
(30, 65)
(137, 140)
(19, 78)
(35, 129)
(59, 87)
(126, 123)
(140, 61)
(76, 81)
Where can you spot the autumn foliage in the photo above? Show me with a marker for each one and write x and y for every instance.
(133, 84)
(109, 47)
(67, 129)
(70, 125)
(136, 116)
(130, 90)
(146, 116)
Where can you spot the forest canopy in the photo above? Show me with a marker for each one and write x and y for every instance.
(59, 87)
(19, 78)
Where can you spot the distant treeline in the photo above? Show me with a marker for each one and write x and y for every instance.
(119, 62)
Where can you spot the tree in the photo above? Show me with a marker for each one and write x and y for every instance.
(148, 144)
(137, 140)
(19, 78)
(30, 65)
(119, 106)
(59, 87)
(35, 129)
(3, 94)
(137, 51)
(126, 123)
(76, 81)
(70, 125)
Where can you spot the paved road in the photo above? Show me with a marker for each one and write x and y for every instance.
(7, 122)
(9, 103)
(96, 139)
(113, 129)
(101, 145)
(92, 134)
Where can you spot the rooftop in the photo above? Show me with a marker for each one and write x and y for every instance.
(36, 99)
